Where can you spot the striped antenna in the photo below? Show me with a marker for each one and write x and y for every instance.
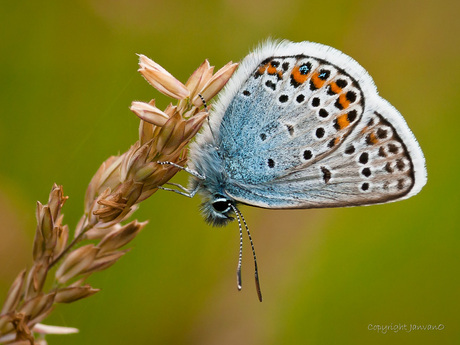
(206, 109)
(238, 272)
(204, 102)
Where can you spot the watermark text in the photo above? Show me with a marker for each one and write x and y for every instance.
(403, 327)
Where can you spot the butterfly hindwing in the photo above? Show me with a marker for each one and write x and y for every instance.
(373, 165)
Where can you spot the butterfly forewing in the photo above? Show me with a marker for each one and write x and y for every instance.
(301, 104)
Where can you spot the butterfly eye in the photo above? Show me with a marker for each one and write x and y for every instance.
(221, 205)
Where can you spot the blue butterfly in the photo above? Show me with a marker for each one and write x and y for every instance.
(301, 125)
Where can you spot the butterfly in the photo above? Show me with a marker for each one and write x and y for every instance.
(301, 125)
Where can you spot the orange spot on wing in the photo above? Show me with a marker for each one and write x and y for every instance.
(299, 77)
(335, 88)
(262, 69)
(342, 121)
(344, 101)
(271, 70)
(372, 139)
(317, 81)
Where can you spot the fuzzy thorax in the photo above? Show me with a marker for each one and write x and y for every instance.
(216, 206)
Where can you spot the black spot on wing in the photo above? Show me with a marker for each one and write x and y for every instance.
(323, 113)
(350, 150)
(307, 154)
(326, 174)
(364, 158)
(283, 98)
(270, 85)
(320, 132)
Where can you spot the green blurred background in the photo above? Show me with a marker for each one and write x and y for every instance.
(68, 75)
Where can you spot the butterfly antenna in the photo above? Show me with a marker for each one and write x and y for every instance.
(256, 271)
(240, 256)
(204, 102)
(206, 109)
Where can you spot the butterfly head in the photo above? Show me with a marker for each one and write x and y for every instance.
(218, 209)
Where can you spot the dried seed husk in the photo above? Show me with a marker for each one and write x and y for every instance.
(14, 294)
(72, 294)
(120, 237)
(105, 262)
(76, 262)
(38, 305)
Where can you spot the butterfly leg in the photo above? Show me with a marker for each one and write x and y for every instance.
(182, 188)
(190, 171)
(183, 191)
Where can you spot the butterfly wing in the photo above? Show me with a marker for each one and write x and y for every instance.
(301, 126)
